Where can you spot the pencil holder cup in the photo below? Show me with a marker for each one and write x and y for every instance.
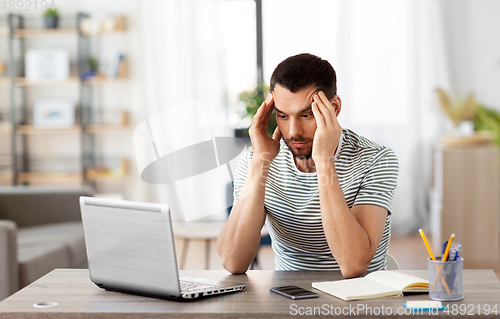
(446, 280)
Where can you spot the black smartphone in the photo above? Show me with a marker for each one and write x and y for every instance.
(294, 292)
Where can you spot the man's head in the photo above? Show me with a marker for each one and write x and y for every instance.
(294, 82)
(304, 70)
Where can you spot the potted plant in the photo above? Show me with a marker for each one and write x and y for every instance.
(487, 119)
(92, 66)
(456, 110)
(253, 100)
(51, 17)
(483, 122)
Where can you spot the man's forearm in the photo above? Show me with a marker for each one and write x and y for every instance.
(347, 239)
(240, 238)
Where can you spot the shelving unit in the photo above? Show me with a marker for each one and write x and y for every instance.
(53, 176)
(4, 80)
(102, 80)
(33, 33)
(21, 129)
(21, 81)
(5, 126)
(30, 129)
(5, 178)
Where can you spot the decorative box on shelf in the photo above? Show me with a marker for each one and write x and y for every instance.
(106, 172)
(46, 64)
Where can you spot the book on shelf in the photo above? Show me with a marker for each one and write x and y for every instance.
(117, 68)
(378, 284)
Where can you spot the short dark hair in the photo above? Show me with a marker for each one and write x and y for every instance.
(303, 70)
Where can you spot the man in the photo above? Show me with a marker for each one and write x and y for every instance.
(325, 191)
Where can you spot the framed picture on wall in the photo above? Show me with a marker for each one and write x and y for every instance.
(53, 113)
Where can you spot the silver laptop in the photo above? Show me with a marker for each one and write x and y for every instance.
(130, 248)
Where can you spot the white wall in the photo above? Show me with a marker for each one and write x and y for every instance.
(472, 30)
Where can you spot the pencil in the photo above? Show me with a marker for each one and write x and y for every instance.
(426, 243)
(444, 259)
(447, 250)
(434, 258)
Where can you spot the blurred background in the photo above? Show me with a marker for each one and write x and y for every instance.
(71, 95)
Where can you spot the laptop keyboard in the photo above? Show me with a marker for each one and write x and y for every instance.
(188, 286)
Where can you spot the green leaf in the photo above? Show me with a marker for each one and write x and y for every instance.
(253, 100)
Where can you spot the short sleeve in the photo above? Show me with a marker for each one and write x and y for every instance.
(241, 174)
(379, 183)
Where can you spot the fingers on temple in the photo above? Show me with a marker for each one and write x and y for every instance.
(269, 102)
(263, 113)
(259, 112)
(329, 110)
(318, 115)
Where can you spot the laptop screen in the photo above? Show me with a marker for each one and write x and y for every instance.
(130, 245)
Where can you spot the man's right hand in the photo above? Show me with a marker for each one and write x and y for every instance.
(265, 148)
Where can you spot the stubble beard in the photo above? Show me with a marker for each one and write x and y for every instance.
(305, 156)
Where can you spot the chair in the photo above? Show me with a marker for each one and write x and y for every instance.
(204, 231)
(392, 263)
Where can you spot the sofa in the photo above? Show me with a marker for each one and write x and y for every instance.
(40, 230)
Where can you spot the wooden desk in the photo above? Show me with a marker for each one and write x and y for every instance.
(78, 297)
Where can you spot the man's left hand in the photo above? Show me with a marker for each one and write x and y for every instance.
(327, 136)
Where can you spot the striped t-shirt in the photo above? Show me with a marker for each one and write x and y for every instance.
(367, 173)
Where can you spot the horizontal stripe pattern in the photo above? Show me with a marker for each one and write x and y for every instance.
(367, 174)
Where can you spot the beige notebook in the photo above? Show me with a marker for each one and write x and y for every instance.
(378, 284)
